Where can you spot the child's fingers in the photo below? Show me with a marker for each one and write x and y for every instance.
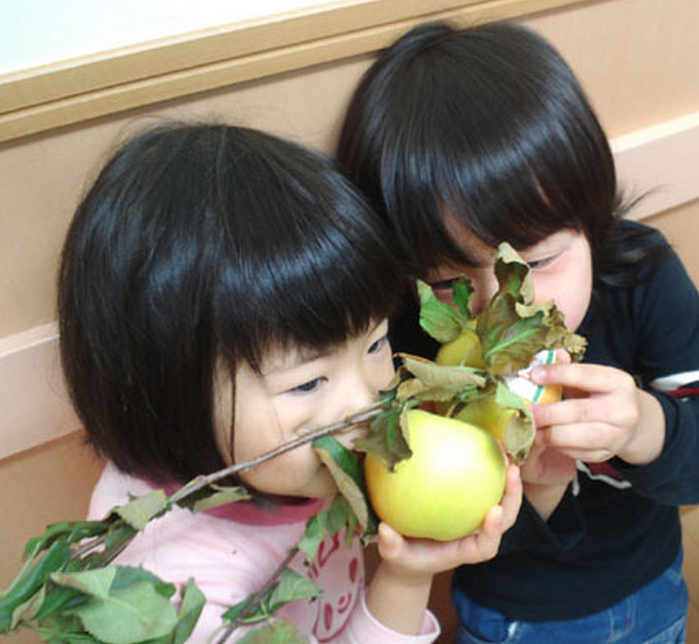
(592, 442)
(584, 377)
(512, 499)
(390, 543)
(571, 410)
(592, 414)
(493, 522)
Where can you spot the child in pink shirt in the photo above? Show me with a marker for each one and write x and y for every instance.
(221, 289)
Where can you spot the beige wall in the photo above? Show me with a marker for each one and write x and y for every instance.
(639, 60)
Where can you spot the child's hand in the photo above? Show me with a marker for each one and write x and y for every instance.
(603, 415)
(400, 589)
(547, 466)
(419, 557)
(546, 474)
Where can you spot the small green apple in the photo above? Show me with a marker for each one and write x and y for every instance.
(464, 350)
(443, 491)
(487, 414)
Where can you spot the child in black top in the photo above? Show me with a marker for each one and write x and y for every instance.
(464, 138)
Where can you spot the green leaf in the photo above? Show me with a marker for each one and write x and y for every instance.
(130, 576)
(386, 439)
(512, 273)
(133, 614)
(328, 522)
(66, 630)
(30, 579)
(97, 583)
(26, 611)
(462, 289)
(520, 431)
(341, 515)
(313, 535)
(280, 631)
(343, 465)
(234, 612)
(57, 599)
(138, 512)
(193, 601)
(218, 496)
(438, 319)
(436, 382)
(344, 458)
(210, 496)
(509, 341)
(508, 399)
(75, 530)
(291, 587)
(118, 537)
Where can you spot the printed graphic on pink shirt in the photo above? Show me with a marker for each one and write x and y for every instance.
(339, 571)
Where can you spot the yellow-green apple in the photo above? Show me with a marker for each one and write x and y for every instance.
(443, 491)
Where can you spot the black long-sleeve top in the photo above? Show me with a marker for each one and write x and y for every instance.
(618, 526)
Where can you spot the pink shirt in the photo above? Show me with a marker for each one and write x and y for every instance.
(232, 550)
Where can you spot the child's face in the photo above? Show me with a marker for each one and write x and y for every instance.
(561, 268)
(303, 389)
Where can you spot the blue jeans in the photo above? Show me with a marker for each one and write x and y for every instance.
(656, 614)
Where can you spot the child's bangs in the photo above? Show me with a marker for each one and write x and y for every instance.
(322, 305)
(314, 267)
(322, 295)
(523, 210)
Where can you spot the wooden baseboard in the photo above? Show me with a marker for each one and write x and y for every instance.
(34, 405)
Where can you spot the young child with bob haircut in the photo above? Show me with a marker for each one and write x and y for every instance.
(220, 289)
(467, 137)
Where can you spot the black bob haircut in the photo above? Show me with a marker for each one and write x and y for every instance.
(196, 247)
(490, 123)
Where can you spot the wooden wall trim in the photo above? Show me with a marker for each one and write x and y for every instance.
(51, 96)
(663, 160)
(35, 407)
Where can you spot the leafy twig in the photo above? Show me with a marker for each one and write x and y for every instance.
(358, 418)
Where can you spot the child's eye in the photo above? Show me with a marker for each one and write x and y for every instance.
(442, 285)
(540, 263)
(308, 387)
(380, 344)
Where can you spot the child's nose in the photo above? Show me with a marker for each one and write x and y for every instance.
(485, 285)
(361, 392)
(362, 387)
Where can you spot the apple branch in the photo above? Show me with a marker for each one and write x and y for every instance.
(357, 418)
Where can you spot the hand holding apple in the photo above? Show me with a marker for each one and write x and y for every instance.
(429, 555)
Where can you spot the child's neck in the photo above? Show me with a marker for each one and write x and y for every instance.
(264, 510)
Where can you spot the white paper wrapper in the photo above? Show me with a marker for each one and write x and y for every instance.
(526, 388)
